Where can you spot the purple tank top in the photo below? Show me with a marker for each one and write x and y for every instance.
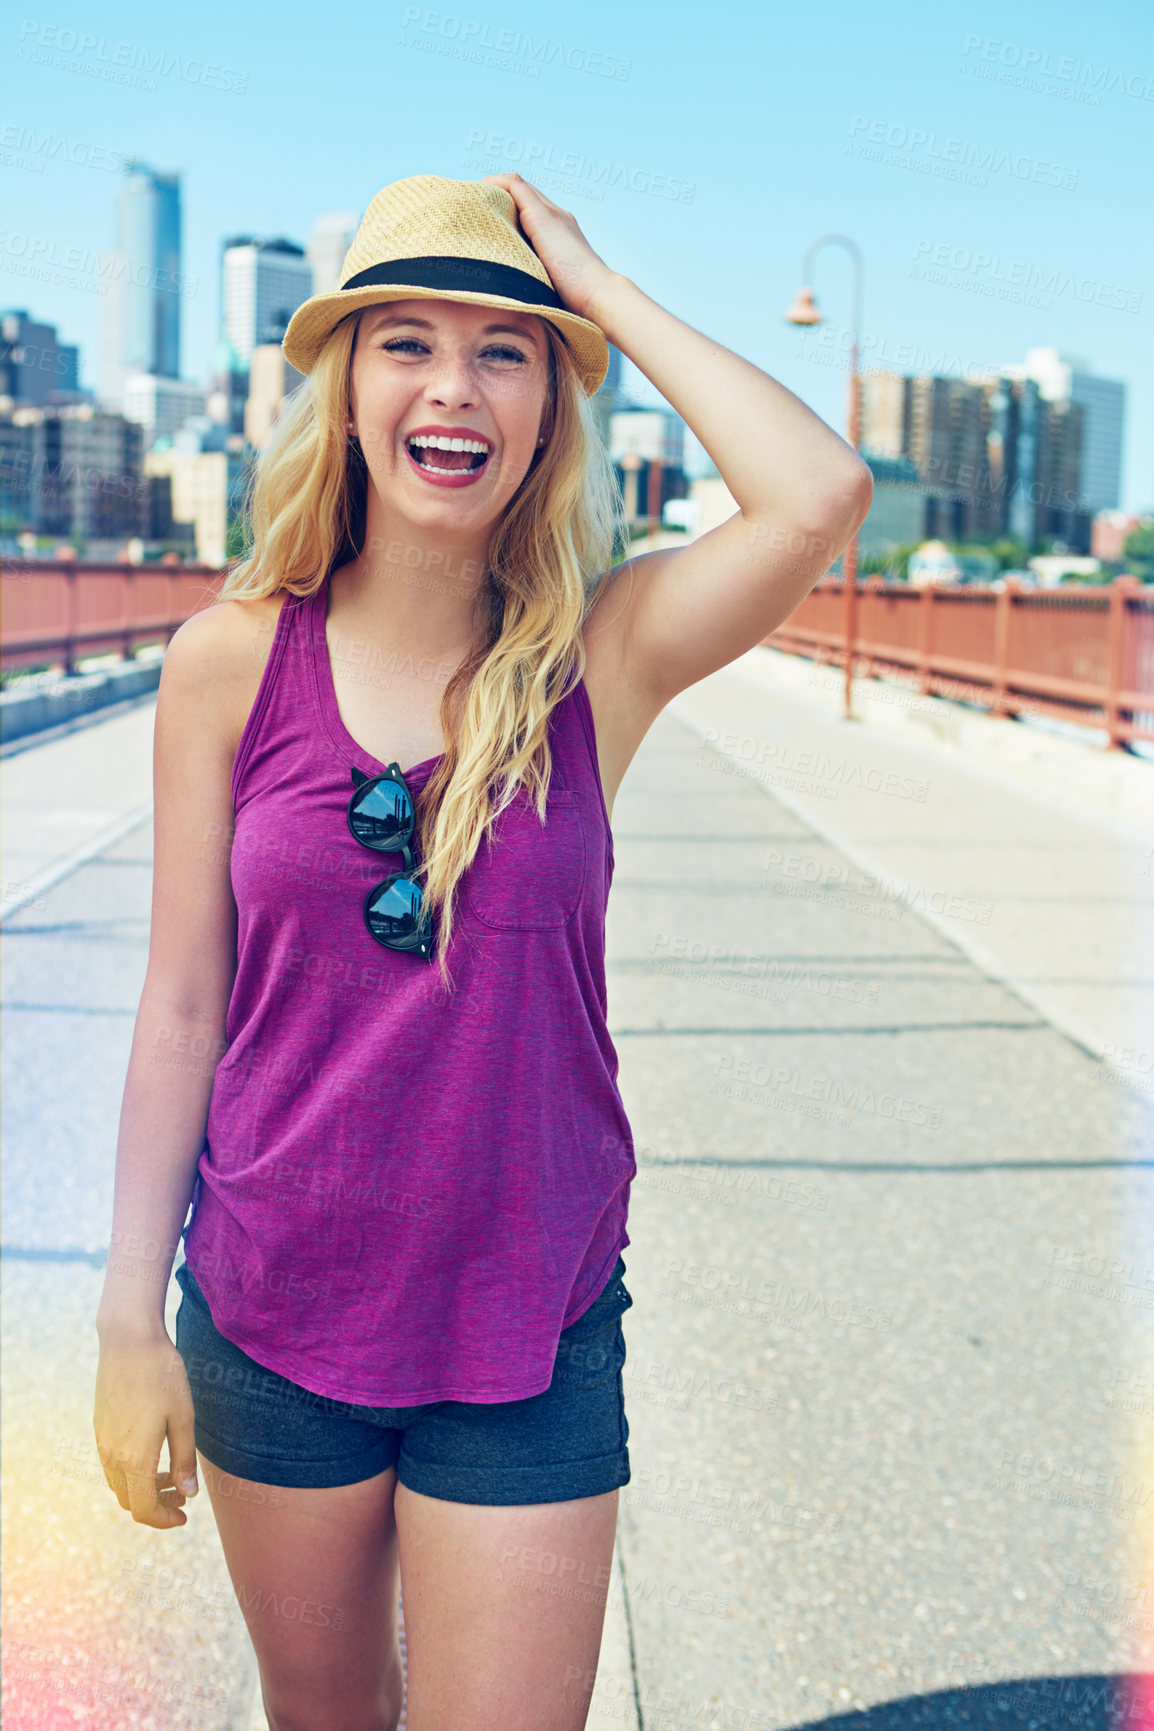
(405, 1195)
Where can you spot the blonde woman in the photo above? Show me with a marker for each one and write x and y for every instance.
(371, 1048)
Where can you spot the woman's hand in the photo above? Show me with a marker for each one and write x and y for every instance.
(577, 273)
(142, 1396)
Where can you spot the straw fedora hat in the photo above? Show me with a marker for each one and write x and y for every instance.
(428, 238)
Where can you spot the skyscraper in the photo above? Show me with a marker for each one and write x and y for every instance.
(141, 329)
(1061, 379)
(994, 457)
(34, 367)
(940, 425)
(332, 237)
(263, 282)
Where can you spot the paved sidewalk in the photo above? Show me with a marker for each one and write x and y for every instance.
(1049, 895)
(886, 1410)
(72, 794)
(888, 1375)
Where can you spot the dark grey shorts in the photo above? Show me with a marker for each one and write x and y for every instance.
(567, 1442)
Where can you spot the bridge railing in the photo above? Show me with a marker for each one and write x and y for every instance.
(57, 612)
(1082, 653)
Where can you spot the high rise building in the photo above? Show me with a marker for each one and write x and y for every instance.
(74, 471)
(1012, 442)
(995, 457)
(940, 424)
(263, 282)
(1061, 379)
(35, 369)
(160, 406)
(332, 236)
(608, 398)
(141, 328)
(208, 469)
(1035, 451)
(229, 388)
(897, 513)
(884, 414)
(271, 381)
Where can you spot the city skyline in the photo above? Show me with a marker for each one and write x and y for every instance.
(264, 279)
(992, 204)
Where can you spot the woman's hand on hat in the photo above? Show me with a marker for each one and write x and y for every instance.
(577, 273)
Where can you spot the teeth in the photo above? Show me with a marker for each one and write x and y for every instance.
(441, 442)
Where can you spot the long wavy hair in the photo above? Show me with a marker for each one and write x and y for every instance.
(549, 557)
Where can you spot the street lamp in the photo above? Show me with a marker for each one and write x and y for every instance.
(804, 312)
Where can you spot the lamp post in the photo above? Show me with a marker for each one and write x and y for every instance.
(804, 312)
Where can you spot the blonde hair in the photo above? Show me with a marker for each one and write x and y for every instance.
(549, 557)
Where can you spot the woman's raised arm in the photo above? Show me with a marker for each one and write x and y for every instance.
(801, 491)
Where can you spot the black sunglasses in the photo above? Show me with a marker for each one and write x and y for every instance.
(382, 816)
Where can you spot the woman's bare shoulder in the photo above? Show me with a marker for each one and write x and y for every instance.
(224, 649)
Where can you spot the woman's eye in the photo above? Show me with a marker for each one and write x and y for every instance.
(399, 345)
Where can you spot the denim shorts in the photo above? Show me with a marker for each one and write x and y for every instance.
(568, 1441)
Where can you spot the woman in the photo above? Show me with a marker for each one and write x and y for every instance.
(371, 1046)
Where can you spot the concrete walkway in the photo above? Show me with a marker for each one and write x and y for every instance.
(888, 1377)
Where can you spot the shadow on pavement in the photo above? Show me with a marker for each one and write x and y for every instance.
(1078, 1703)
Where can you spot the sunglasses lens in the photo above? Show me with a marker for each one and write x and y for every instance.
(381, 816)
(393, 911)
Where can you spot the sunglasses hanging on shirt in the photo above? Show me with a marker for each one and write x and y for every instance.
(382, 816)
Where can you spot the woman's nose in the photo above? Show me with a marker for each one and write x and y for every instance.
(451, 378)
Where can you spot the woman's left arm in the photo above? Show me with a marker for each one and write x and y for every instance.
(801, 491)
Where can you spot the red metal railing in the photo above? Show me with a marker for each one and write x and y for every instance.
(1080, 653)
(56, 612)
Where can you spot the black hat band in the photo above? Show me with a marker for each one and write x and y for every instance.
(468, 275)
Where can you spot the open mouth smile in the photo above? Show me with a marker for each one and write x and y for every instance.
(448, 462)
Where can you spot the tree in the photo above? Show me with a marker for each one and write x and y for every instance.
(1138, 548)
(893, 566)
(1011, 555)
(236, 542)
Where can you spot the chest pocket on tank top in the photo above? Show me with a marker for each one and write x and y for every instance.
(528, 876)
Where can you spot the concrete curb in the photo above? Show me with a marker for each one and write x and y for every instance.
(1084, 779)
(25, 712)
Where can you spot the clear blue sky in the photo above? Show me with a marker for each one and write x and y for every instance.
(759, 113)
